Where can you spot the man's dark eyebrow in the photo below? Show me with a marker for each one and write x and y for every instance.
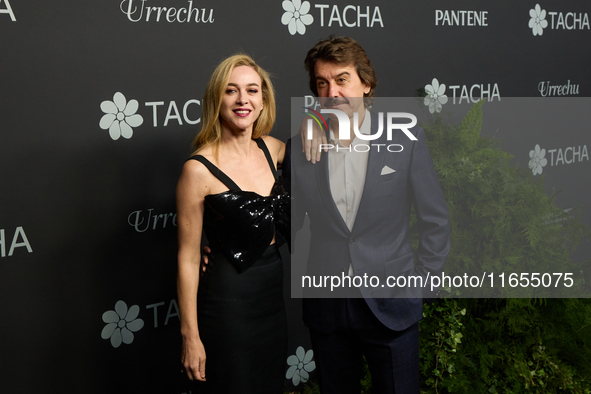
(339, 75)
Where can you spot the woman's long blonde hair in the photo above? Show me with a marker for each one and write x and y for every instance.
(211, 129)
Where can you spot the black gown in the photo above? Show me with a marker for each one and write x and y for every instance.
(240, 307)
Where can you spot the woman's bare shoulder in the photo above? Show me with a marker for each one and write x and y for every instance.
(277, 147)
(273, 143)
(195, 172)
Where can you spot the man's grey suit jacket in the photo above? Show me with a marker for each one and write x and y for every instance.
(379, 243)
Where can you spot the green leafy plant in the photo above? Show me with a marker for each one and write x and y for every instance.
(441, 337)
(502, 220)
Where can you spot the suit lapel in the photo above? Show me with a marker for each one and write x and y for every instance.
(375, 162)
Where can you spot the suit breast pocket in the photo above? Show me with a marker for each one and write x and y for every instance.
(391, 177)
(386, 184)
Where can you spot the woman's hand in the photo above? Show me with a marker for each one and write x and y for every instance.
(206, 252)
(193, 359)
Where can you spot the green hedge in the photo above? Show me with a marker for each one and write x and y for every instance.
(506, 346)
(502, 221)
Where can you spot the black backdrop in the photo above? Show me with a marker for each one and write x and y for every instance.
(87, 229)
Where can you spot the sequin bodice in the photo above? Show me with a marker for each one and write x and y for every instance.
(241, 224)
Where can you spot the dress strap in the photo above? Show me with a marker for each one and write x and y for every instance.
(217, 172)
(264, 148)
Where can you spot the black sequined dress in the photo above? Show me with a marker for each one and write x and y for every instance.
(241, 313)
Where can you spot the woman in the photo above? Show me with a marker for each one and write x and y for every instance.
(233, 323)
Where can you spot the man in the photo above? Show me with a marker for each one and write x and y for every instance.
(359, 206)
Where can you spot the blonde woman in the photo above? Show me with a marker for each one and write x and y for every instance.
(233, 324)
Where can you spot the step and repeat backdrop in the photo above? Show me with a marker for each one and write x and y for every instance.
(100, 101)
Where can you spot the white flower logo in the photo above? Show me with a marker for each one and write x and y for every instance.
(538, 21)
(435, 96)
(121, 324)
(120, 116)
(537, 160)
(296, 16)
(300, 365)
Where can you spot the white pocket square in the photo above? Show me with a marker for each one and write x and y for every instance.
(387, 170)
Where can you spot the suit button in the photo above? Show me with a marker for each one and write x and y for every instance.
(352, 240)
